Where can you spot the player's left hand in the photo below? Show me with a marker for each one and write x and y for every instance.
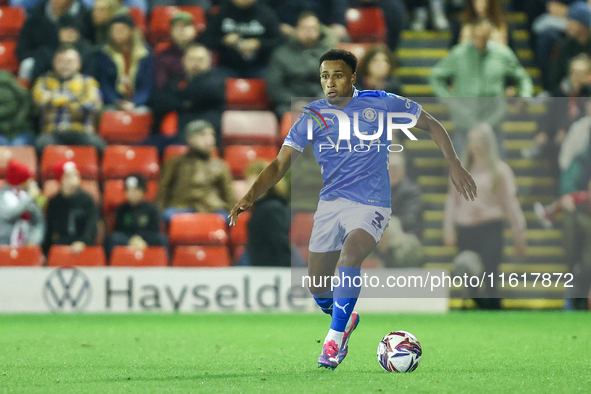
(462, 180)
(240, 207)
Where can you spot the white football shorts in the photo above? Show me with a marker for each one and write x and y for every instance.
(335, 219)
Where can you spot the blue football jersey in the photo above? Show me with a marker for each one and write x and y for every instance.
(354, 168)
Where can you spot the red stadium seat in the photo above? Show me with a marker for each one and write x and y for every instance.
(85, 157)
(201, 256)
(160, 20)
(125, 127)
(51, 187)
(62, 256)
(237, 253)
(139, 18)
(114, 194)
(170, 124)
(301, 228)
(123, 256)
(12, 20)
(173, 151)
(357, 49)
(246, 94)
(366, 24)
(239, 233)
(8, 59)
(198, 229)
(250, 127)
(25, 256)
(239, 157)
(24, 154)
(119, 161)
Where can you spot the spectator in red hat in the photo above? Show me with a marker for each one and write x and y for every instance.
(21, 219)
(72, 216)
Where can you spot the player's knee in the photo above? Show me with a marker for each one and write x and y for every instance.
(351, 258)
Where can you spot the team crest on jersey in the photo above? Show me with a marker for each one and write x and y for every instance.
(369, 114)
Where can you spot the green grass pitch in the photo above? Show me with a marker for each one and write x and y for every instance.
(463, 352)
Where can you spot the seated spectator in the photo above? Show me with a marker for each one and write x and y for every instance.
(330, 12)
(195, 181)
(71, 215)
(141, 4)
(566, 107)
(578, 174)
(401, 246)
(293, 70)
(546, 30)
(394, 14)
(41, 26)
(475, 10)
(169, 62)
(137, 222)
(15, 108)
(200, 93)
(478, 225)
(268, 228)
(69, 102)
(126, 67)
(576, 141)
(375, 71)
(478, 68)
(205, 4)
(102, 12)
(244, 33)
(420, 9)
(305, 182)
(578, 40)
(68, 34)
(21, 218)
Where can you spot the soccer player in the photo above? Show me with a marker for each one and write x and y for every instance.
(354, 205)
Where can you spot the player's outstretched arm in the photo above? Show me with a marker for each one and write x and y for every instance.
(461, 179)
(266, 180)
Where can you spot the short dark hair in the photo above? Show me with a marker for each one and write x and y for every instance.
(340, 54)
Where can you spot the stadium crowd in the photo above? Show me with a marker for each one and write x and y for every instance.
(95, 74)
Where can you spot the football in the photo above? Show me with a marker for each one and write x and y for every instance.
(399, 351)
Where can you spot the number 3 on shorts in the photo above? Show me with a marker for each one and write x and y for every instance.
(378, 220)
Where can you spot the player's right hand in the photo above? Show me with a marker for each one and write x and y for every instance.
(240, 207)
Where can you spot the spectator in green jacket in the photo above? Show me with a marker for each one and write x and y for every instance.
(478, 68)
(15, 106)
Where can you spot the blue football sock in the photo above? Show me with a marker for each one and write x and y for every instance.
(345, 297)
(324, 301)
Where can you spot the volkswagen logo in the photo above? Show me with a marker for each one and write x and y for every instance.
(67, 289)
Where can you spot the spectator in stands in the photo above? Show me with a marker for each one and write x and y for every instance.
(420, 9)
(566, 107)
(374, 71)
(478, 226)
(41, 26)
(169, 62)
(401, 246)
(199, 93)
(305, 181)
(137, 222)
(244, 33)
(15, 108)
(126, 67)
(21, 218)
(102, 12)
(68, 34)
(330, 12)
(547, 26)
(293, 70)
(475, 10)
(268, 227)
(578, 41)
(576, 235)
(195, 181)
(69, 103)
(72, 215)
(478, 68)
(394, 14)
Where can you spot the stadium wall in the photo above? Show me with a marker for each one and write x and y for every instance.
(166, 289)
